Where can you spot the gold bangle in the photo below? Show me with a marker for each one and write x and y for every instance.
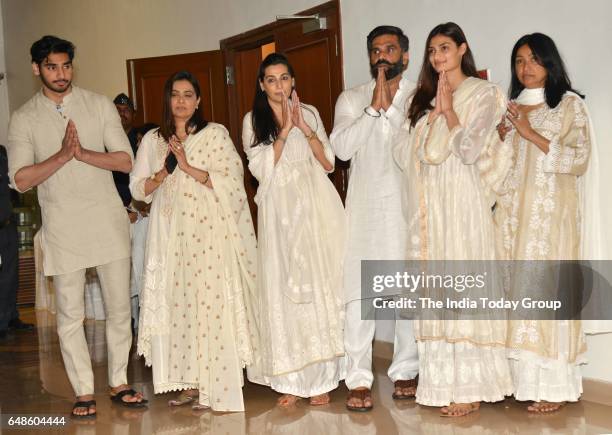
(206, 179)
(311, 136)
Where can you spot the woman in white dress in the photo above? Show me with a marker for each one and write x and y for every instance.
(542, 216)
(199, 276)
(453, 161)
(301, 239)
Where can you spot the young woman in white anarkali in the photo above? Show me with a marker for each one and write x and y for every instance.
(199, 277)
(301, 239)
(542, 216)
(453, 161)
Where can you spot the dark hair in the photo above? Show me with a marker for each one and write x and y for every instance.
(388, 30)
(428, 77)
(196, 123)
(48, 44)
(145, 128)
(546, 54)
(264, 124)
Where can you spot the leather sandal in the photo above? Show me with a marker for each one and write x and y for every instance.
(118, 398)
(409, 383)
(362, 395)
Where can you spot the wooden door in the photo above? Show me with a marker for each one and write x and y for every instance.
(317, 60)
(146, 78)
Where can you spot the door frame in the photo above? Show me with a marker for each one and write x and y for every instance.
(263, 35)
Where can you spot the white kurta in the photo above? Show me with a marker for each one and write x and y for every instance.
(461, 361)
(377, 230)
(540, 219)
(301, 246)
(84, 223)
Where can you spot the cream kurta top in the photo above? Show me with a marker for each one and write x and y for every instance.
(84, 222)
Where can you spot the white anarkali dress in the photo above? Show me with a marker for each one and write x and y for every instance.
(301, 242)
(453, 176)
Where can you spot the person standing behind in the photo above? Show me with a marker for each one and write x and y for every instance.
(367, 118)
(125, 109)
(57, 141)
(139, 239)
(9, 257)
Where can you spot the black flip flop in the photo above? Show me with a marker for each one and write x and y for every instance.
(118, 398)
(84, 404)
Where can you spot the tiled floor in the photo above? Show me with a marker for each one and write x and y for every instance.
(33, 381)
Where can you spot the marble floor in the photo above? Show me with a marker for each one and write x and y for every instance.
(33, 381)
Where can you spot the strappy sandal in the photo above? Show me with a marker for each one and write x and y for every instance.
(362, 395)
(409, 383)
(183, 399)
(84, 404)
(118, 398)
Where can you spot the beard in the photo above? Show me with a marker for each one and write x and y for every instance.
(393, 71)
(56, 87)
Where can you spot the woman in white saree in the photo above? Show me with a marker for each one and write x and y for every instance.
(301, 235)
(453, 160)
(199, 276)
(548, 213)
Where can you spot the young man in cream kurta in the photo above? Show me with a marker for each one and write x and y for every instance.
(367, 119)
(57, 141)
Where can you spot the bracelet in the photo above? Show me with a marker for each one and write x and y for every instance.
(365, 110)
(282, 139)
(311, 136)
(206, 179)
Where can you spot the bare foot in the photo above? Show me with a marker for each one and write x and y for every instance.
(544, 407)
(321, 399)
(459, 409)
(359, 399)
(287, 400)
(81, 411)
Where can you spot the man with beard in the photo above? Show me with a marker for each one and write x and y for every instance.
(125, 109)
(66, 141)
(367, 118)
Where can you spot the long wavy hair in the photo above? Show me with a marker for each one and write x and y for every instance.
(428, 77)
(196, 123)
(546, 54)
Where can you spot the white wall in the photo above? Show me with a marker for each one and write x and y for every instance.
(108, 32)
(581, 31)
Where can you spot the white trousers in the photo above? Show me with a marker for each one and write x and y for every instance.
(358, 337)
(70, 300)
